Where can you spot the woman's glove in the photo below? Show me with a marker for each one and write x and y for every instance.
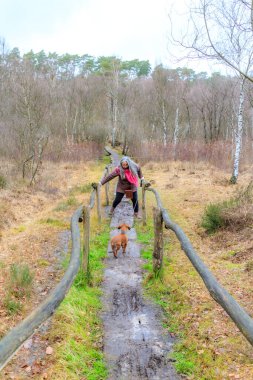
(142, 180)
(95, 184)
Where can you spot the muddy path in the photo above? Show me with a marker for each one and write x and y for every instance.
(135, 344)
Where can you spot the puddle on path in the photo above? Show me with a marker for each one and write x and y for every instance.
(135, 344)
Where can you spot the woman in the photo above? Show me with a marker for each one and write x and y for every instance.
(128, 172)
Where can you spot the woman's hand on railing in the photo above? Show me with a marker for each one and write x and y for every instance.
(95, 185)
(145, 183)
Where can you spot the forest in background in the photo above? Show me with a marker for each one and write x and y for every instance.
(57, 107)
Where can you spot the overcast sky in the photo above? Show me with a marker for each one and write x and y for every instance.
(132, 29)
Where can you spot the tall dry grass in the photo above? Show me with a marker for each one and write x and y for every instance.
(217, 153)
(85, 151)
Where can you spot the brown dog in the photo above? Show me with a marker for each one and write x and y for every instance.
(120, 240)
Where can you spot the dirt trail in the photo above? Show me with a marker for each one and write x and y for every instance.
(135, 345)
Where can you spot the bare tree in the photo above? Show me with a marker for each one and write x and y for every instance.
(219, 30)
(29, 112)
(222, 31)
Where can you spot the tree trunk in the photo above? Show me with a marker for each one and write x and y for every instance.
(238, 134)
(176, 130)
(165, 131)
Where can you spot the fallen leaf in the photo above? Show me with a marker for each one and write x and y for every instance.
(36, 369)
(49, 350)
(28, 344)
(28, 369)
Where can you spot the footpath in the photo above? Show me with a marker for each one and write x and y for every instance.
(135, 344)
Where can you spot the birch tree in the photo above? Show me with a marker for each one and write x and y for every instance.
(221, 30)
(238, 132)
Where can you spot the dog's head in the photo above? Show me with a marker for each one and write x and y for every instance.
(124, 227)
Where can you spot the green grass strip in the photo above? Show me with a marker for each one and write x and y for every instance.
(77, 329)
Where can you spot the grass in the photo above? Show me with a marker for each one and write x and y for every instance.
(18, 288)
(81, 189)
(54, 222)
(212, 218)
(63, 206)
(77, 326)
(168, 291)
(220, 214)
(249, 266)
(19, 229)
(11, 305)
(145, 238)
(3, 182)
(20, 280)
(183, 365)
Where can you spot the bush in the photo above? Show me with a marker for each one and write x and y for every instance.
(249, 266)
(20, 280)
(11, 305)
(212, 218)
(3, 182)
(237, 211)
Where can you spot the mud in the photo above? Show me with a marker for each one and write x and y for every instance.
(135, 344)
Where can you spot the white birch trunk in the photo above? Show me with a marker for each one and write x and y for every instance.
(153, 129)
(251, 127)
(74, 129)
(176, 130)
(238, 134)
(66, 125)
(115, 92)
(165, 131)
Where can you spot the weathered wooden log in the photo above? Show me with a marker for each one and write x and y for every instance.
(158, 240)
(86, 238)
(92, 199)
(14, 339)
(242, 320)
(108, 150)
(143, 206)
(98, 196)
(107, 188)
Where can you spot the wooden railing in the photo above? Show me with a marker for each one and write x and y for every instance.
(85, 218)
(161, 217)
(10, 343)
(14, 339)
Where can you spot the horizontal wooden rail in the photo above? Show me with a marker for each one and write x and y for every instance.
(11, 343)
(14, 339)
(242, 320)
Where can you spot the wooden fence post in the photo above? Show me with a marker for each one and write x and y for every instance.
(86, 238)
(107, 188)
(158, 240)
(98, 194)
(144, 214)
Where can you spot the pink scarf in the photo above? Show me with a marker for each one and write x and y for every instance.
(130, 177)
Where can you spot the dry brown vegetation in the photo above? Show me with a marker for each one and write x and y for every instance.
(186, 189)
(32, 219)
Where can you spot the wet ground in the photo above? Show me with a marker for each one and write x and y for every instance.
(135, 344)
